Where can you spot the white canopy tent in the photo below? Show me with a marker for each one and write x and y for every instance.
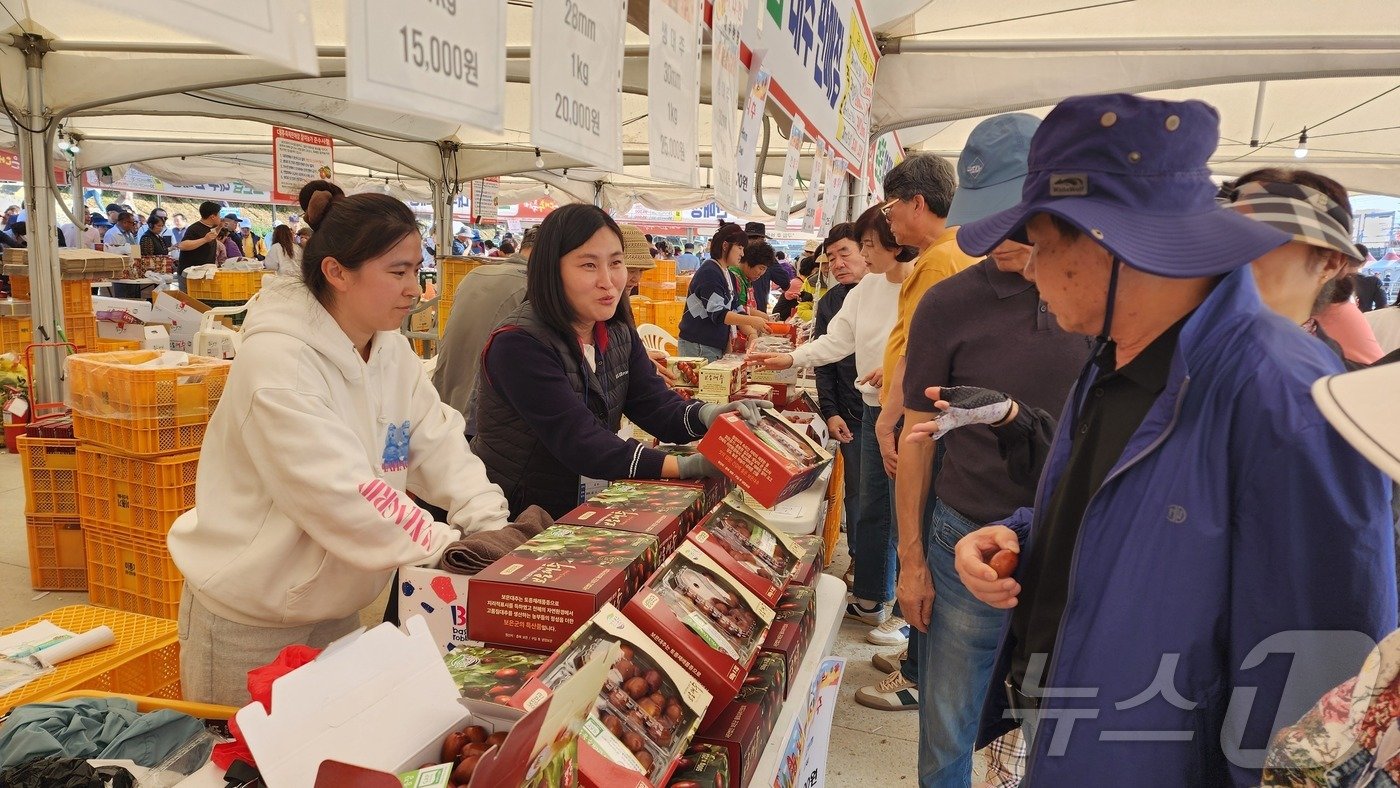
(131, 91)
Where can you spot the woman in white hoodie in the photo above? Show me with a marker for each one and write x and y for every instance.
(326, 424)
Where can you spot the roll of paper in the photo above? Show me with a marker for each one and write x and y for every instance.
(76, 646)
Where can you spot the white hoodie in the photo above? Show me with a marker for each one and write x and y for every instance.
(862, 326)
(301, 514)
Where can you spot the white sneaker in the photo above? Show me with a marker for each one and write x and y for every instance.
(872, 613)
(893, 632)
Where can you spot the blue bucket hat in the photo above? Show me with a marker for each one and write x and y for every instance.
(992, 167)
(1130, 172)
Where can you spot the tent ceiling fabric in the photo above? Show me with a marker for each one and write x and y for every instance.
(935, 97)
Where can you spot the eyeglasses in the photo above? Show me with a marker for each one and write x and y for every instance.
(887, 205)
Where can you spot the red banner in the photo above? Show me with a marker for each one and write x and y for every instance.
(10, 169)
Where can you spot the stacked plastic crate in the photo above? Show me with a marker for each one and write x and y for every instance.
(80, 267)
(659, 285)
(454, 269)
(48, 455)
(139, 431)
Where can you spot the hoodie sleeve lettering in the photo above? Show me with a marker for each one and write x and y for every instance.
(324, 483)
(442, 468)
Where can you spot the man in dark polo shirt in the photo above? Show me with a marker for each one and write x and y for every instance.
(197, 247)
(1197, 514)
(987, 327)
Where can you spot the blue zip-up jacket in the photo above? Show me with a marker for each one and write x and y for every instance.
(1235, 513)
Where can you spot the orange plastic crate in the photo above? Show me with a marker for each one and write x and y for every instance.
(641, 310)
(226, 286)
(130, 572)
(77, 293)
(81, 330)
(452, 270)
(143, 412)
(133, 494)
(50, 476)
(15, 334)
(108, 345)
(56, 553)
(145, 660)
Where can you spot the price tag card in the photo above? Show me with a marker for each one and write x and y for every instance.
(440, 58)
(576, 79)
(278, 31)
(749, 130)
(790, 166)
(673, 90)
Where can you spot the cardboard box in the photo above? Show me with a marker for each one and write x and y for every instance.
(379, 703)
(704, 619)
(647, 711)
(539, 594)
(795, 619)
(758, 555)
(813, 559)
(686, 369)
(702, 766)
(491, 673)
(771, 462)
(440, 598)
(742, 728)
(753, 391)
(665, 511)
(721, 378)
(182, 314)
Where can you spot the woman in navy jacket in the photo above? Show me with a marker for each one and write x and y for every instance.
(711, 305)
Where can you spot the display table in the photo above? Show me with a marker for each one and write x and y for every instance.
(831, 594)
(799, 515)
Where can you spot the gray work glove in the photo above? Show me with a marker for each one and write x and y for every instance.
(748, 409)
(970, 405)
(695, 466)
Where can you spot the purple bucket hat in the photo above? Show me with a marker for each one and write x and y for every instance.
(1131, 173)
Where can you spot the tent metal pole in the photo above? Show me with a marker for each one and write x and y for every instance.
(1303, 43)
(1258, 116)
(75, 192)
(442, 218)
(46, 305)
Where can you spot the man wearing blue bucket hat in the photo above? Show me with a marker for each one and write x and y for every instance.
(1195, 504)
(983, 327)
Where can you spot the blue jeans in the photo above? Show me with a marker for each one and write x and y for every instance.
(873, 547)
(960, 647)
(876, 537)
(850, 454)
(693, 349)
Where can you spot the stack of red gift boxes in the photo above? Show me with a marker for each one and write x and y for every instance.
(708, 604)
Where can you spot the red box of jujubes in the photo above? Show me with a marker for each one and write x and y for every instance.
(813, 559)
(794, 621)
(771, 462)
(742, 728)
(758, 555)
(648, 708)
(538, 594)
(704, 619)
(665, 511)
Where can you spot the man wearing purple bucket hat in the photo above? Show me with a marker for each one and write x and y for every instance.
(984, 327)
(1196, 507)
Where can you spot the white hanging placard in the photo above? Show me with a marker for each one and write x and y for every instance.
(790, 166)
(673, 91)
(443, 59)
(576, 79)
